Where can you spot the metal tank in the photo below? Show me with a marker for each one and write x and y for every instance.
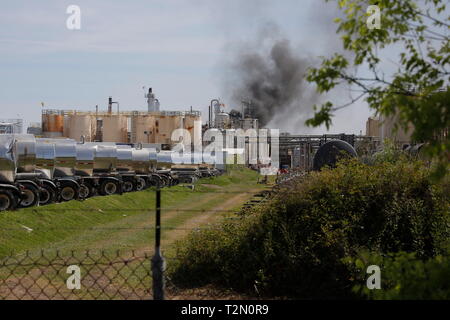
(52, 124)
(331, 152)
(115, 128)
(105, 158)
(124, 159)
(164, 160)
(152, 158)
(85, 159)
(143, 128)
(7, 160)
(141, 164)
(45, 158)
(25, 152)
(65, 156)
(81, 125)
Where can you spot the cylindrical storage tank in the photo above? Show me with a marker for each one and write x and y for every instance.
(222, 120)
(115, 129)
(25, 152)
(141, 163)
(52, 125)
(45, 158)
(81, 125)
(166, 126)
(124, 159)
(194, 130)
(331, 152)
(85, 159)
(144, 128)
(7, 160)
(164, 160)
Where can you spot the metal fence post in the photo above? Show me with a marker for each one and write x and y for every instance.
(158, 263)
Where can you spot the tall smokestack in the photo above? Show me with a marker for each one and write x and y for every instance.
(152, 102)
(110, 102)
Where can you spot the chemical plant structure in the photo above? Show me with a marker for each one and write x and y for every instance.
(81, 154)
(151, 128)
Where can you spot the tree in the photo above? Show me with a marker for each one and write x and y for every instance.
(418, 91)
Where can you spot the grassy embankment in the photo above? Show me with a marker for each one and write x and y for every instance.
(127, 221)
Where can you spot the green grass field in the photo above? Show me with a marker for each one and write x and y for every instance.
(124, 222)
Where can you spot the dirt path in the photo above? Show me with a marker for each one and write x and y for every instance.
(236, 201)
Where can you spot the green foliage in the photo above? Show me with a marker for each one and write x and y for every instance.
(296, 244)
(390, 153)
(405, 277)
(412, 92)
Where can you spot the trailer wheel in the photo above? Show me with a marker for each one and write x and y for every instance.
(109, 187)
(47, 195)
(86, 191)
(7, 200)
(128, 186)
(30, 196)
(141, 184)
(68, 192)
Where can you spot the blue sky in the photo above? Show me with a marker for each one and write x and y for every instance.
(178, 47)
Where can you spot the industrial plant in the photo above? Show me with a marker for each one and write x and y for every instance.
(75, 154)
(112, 125)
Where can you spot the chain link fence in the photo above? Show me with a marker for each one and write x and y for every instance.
(107, 275)
(92, 275)
(85, 275)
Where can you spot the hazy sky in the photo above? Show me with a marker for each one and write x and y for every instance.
(178, 47)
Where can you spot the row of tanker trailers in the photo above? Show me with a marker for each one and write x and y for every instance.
(41, 171)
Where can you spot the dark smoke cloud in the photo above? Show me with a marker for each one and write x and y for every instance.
(272, 76)
(270, 70)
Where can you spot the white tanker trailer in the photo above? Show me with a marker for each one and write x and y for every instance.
(37, 171)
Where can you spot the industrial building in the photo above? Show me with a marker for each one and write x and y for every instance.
(384, 128)
(152, 126)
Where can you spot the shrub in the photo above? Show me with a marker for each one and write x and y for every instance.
(405, 277)
(295, 244)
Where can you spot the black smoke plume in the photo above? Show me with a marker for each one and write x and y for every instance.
(273, 82)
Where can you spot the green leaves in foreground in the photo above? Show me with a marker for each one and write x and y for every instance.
(416, 91)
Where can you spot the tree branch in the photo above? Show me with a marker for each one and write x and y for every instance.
(349, 103)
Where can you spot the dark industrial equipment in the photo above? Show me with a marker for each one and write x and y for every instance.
(331, 152)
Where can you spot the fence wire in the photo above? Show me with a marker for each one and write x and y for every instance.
(53, 276)
(118, 275)
(105, 275)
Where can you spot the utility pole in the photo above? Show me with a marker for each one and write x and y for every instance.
(158, 263)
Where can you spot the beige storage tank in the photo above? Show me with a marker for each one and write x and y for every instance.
(144, 129)
(115, 128)
(66, 132)
(80, 125)
(194, 130)
(165, 125)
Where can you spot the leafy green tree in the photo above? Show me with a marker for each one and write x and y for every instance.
(418, 91)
